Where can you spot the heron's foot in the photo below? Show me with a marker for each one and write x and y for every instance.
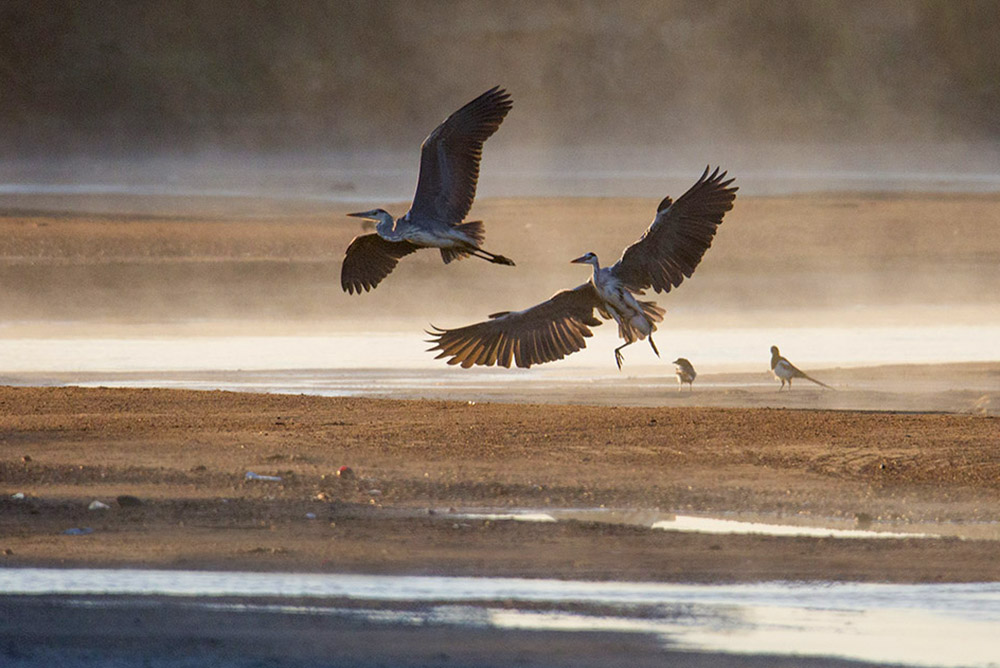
(500, 259)
(619, 358)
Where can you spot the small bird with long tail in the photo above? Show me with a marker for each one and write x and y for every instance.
(785, 371)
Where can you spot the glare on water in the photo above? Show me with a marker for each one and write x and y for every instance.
(721, 349)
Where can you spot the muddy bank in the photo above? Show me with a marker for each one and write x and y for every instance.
(185, 455)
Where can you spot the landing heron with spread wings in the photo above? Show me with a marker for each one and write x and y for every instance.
(446, 187)
(662, 258)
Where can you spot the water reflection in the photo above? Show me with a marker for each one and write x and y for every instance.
(918, 625)
(714, 525)
(682, 523)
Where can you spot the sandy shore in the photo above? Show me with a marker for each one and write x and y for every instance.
(185, 454)
(114, 263)
(908, 448)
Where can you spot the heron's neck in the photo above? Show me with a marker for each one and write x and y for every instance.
(386, 226)
(775, 358)
(595, 263)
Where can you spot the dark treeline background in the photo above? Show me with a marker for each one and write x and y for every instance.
(125, 76)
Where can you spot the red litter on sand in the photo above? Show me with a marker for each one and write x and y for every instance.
(345, 472)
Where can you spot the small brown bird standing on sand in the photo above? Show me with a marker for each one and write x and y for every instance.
(784, 371)
(685, 373)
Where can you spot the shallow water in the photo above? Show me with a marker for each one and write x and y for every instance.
(690, 523)
(721, 349)
(630, 170)
(721, 526)
(917, 625)
(396, 365)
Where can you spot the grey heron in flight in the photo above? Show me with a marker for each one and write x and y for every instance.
(784, 370)
(669, 251)
(446, 186)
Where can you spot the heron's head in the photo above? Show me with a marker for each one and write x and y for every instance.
(373, 214)
(774, 350)
(589, 258)
(680, 361)
(384, 222)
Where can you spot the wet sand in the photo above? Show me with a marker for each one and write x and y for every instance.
(185, 454)
(968, 388)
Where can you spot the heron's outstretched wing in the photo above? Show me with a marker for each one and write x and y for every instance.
(543, 333)
(678, 237)
(449, 158)
(369, 259)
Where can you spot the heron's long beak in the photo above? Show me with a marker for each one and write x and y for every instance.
(362, 214)
(580, 260)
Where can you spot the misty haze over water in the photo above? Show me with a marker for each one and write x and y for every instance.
(329, 100)
(633, 171)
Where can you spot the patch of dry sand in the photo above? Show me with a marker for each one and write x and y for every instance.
(185, 455)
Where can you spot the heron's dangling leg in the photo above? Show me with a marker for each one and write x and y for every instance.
(618, 354)
(492, 257)
(782, 385)
(653, 345)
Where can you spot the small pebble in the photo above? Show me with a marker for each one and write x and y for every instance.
(98, 505)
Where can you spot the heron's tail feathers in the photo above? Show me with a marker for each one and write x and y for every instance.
(473, 229)
(652, 311)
